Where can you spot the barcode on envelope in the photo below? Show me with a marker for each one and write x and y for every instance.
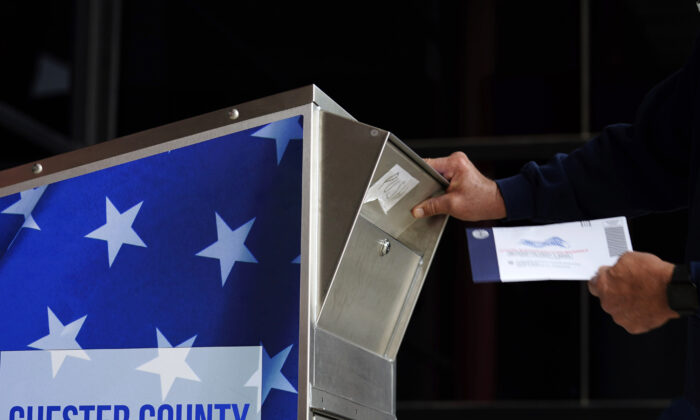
(617, 241)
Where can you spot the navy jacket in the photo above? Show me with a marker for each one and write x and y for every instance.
(652, 165)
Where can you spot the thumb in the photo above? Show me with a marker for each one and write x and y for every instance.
(594, 283)
(432, 206)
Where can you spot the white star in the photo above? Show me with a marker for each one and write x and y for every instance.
(118, 231)
(255, 380)
(61, 341)
(170, 363)
(25, 206)
(282, 131)
(229, 247)
(269, 375)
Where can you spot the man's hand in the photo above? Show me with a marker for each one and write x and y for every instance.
(471, 196)
(633, 291)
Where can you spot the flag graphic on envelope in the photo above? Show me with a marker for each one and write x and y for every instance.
(558, 251)
(166, 288)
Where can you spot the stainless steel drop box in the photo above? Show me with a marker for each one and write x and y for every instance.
(363, 256)
(370, 281)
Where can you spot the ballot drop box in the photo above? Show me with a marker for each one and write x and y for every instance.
(258, 262)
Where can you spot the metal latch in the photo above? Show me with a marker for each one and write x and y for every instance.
(384, 247)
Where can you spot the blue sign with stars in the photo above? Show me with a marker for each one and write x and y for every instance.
(166, 288)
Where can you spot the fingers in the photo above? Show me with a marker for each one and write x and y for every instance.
(441, 165)
(447, 166)
(597, 283)
(633, 292)
(628, 324)
(593, 286)
(432, 206)
(611, 303)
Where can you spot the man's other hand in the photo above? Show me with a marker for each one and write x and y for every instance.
(470, 196)
(633, 291)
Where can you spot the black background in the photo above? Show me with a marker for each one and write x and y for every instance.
(426, 70)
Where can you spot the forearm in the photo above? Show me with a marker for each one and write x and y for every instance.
(629, 169)
(616, 173)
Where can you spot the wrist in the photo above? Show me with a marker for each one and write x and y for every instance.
(681, 292)
(518, 197)
(499, 205)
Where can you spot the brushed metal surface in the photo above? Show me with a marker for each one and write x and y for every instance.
(308, 281)
(399, 218)
(371, 298)
(368, 292)
(157, 140)
(351, 381)
(348, 156)
(418, 160)
(421, 235)
(327, 104)
(318, 416)
(329, 406)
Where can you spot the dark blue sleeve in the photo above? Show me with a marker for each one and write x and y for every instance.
(695, 274)
(627, 170)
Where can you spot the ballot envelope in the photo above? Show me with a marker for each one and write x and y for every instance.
(257, 262)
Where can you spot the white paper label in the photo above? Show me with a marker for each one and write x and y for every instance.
(391, 188)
